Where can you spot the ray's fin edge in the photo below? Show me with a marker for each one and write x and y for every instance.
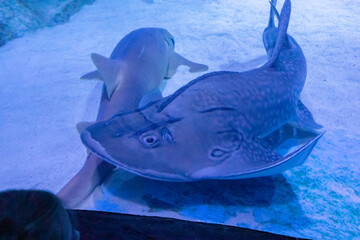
(291, 160)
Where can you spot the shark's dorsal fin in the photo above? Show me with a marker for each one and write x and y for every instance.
(81, 126)
(282, 37)
(92, 75)
(177, 60)
(109, 70)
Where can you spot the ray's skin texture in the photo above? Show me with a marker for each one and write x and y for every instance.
(136, 67)
(214, 127)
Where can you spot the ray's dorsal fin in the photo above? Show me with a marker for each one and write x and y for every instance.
(177, 60)
(91, 75)
(282, 37)
(109, 71)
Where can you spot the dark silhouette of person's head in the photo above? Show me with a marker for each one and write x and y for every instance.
(34, 214)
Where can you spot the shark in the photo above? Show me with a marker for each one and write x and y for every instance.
(217, 126)
(133, 74)
(136, 69)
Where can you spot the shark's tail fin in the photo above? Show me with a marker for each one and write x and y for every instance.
(282, 37)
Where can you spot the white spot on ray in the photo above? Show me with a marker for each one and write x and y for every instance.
(141, 52)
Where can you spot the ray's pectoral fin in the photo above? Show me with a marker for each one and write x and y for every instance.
(276, 164)
(304, 119)
(257, 159)
(228, 142)
(177, 60)
(252, 156)
(109, 71)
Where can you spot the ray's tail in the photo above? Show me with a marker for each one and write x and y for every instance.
(273, 11)
(276, 39)
(270, 32)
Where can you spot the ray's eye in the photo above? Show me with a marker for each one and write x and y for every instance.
(150, 140)
(218, 154)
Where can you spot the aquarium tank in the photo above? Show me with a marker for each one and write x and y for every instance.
(239, 113)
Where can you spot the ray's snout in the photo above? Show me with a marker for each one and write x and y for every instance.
(106, 131)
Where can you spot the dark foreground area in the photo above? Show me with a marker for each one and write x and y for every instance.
(109, 226)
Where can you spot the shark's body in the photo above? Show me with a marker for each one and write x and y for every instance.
(136, 67)
(215, 126)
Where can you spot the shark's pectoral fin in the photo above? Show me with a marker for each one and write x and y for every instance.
(152, 96)
(109, 70)
(304, 119)
(177, 60)
(81, 126)
(91, 75)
